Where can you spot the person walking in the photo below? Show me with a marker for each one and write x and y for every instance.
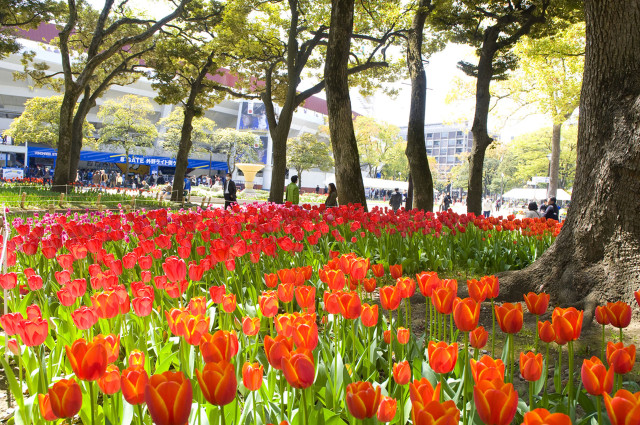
(229, 190)
(532, 211)
(395, 200)
(332, 199)
(552, 211)
(293, 192)
(487, 206)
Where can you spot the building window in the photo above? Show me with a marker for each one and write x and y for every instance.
(459, 142)
(459, 133)
(429, 135)
(436, 152)
(436, 143)
(451, 151)
(458, 150)
(452, 135)
(429, 142)
(429, 152)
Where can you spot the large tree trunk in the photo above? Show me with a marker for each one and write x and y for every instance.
(279, 136)
(182, 159)
(343, 139)
(61, 177)
(479, 129)
(77, 135)
(596, 257)
(421, 180)
(554, 165)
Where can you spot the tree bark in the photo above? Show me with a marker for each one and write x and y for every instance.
(554, 165)
(182, 159)
(61, 176)
(421, 181)
(409, 203)
(279, 135)
(479, 129)
(596, 257)
(343, 139)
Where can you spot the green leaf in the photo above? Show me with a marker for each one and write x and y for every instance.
(14, 386)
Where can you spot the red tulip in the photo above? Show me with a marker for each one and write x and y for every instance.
(109, 383)
(271, 280)
(509, 317)
(601, 315)
(402, 372)
(466, 314)
(596, 379)
(84, 318)
(537, 303)
(406, 286)
(377, 269)
(487, 369)
(567, 323)
(387, 409)
(65, 397)
(496, 402)
(386, 335)
(478, 337)
(136, 358)
(477, 290)
(403, 335)
(268, 303)
(493, 286)
(621, 358)
(142, 306)
(395, 270)
(111, 344)
(217, 293)
(623, 408)
(44, 403)
(362, 399)
(619, 314)
(175, 269)
(33, 332)
(531, 366)
(197, 306)
(442, 357)
(637, 295)
(169, 396)
(305, 336)
(11, 323)
(250, 325)
(299, 369)
(218, 383)
(544, 417)
(285, 292)
(359, 268)
(546, 332)
(284, 325)
(133, 382)
(390, 297)
(106, 304)
(88, 361)
(350, 306)
(427, 282)
(277, 348)
(221, 346)
(252, 375)
(369, 315)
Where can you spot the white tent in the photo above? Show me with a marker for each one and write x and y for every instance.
(385, 184)
(534, 194)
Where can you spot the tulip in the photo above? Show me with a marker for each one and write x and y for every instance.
(277, 348)
(567, 323)
(218, 383)
(478, 337)
(386, 336)
(466, 315)
(44, 403)
(509, 317)
(109, 383)
(285, 292)
(421, 391)
(271, 280)
(496, 402)
(544, 417)
(65, 397)
(133, 381)
(268, 303)
(33, 332)
(369, 285)
(546, 332)
(377, 269)
(250, 326)
(284, 325)
(596, 379)
(623, 408)
(537, 303)
(197, 306)
(637, 295)
(390, 298)
(229, 303)
(217, 293)
(335, 280)
(305, 336)
(175, 269)
(142, 306)
(621, 358)
(387, 409)
(427, 282)
(10, 323)
(442, 299)
(359, 269)
(402, 372)
(395, 270)
(362, 399)
(136, 358)
(531, 366)
(252, 375)
(369, 315)
(350, 305)
(111, 344)
(298, 369)
(619, 314)
(403, 335)
(88, 360)
(169, 396)
(306, 296)
(435, 413)
(602, 318)
(12, 345)
(221, 346)
(106, 304)
(442, 357)
(84, 318)
(487, 369)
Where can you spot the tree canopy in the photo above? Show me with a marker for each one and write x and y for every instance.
(308, 151)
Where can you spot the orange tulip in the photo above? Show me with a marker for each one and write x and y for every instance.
(623, 408)
(477, 290)
(305, 296)
(369, 315)
(395, 270)
(386, 336)
(478, 337)
(268, 303)
(109, 383)
(544, 417)
(537, 303)
(271, 280)
(596, 379)
(299, 369)
(435, 413)
(496, 402)
(250, 326)
(421, 391)
(567, 322)
(65, 397)
(387, 409)
(229, 303)
(601, 315)
(531, 366)
(252, 375)
(442, 299)
(88, 361)
(390, 297)
(335, 280)
(493, 286)
(350, 306)
(136, 358)
(402, 372)
(362, 399)
(406, 286)
(449, 283)
(637, 295)
(466, 314)
(169, 396)
(359, 268)
(619, 314)
(442, 357)
(133, 382)
(403, 335)
(285, 292)
(509, 317)
(277, 348)
(221, 346)
(192, 328)
(305, 336)
(377, 269)
(487, 369)
(218, 383)
(546, 332)
(621, 358)
(44, 403)
(111, 344)
(427, 282)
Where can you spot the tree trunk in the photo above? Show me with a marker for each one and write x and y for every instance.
(421, 181)
(481, 139)
(61, 176)
(343, 138)
(279, 136)
(409, 204)
(554, 165)
(182, 159)
(596, 257)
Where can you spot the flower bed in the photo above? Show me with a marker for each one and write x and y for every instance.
(263, 314)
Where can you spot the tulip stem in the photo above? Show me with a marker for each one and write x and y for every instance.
(223, 420)
(93, 407)
(464, 378)
(599, 407)
(604, 360)
(451, 327)
(621, 335)
(304, 406)
(390, 349)
(353, 346)
(536, 343)
(570, 383)
(493, 329)
(427, 314)
(140, 417)
(531, 406)
(546, 377)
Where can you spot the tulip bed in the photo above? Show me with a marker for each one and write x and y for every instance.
(264, 314)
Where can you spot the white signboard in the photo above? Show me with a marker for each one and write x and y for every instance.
(12, 173)
(537, 180)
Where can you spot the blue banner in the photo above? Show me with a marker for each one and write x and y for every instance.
(158, 161)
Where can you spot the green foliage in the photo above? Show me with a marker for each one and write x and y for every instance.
(380, 145)
(202, 135)
(127, 124)
(307, 151)
(23, 14)
(237, 146)
(40, 121)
